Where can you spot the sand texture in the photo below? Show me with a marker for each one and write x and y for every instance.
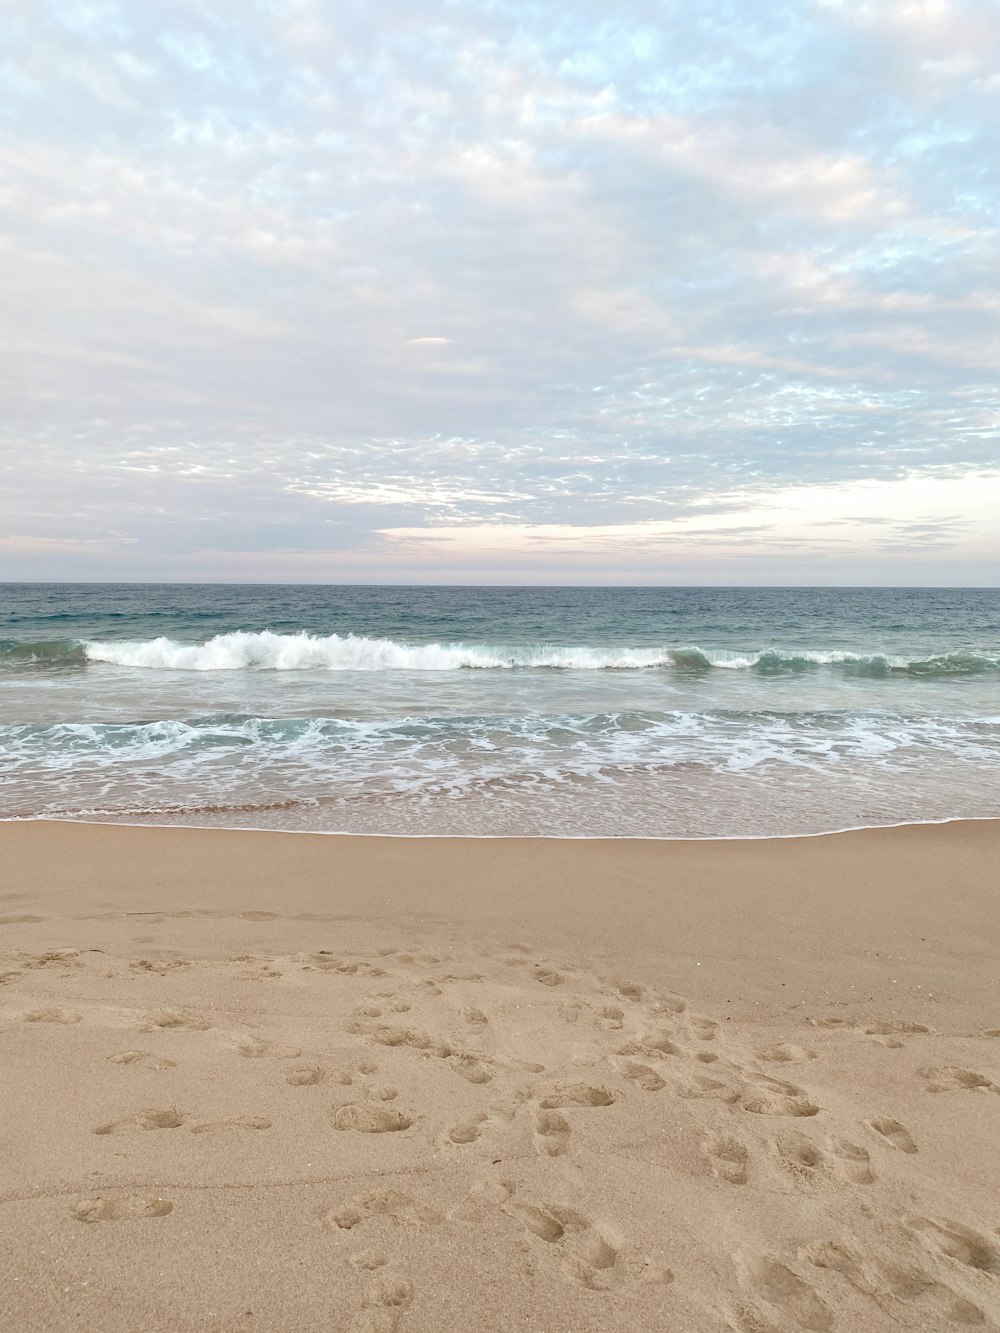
(288, 1082)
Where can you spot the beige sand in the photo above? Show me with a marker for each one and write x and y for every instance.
(289, 1082)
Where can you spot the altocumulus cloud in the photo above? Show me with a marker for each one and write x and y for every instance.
(682, 292)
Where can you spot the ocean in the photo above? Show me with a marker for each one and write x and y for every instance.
(618, 712)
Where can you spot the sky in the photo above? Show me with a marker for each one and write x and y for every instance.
(499, 291)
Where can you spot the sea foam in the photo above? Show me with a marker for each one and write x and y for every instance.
(268, 651)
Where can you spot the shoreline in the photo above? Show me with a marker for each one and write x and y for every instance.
(132, 822)
(660, 1084)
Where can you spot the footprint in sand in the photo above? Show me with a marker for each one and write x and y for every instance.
(380, 1203)
(382, 1092)
(589, 1254)
(784, 1052)
(728, 1159)
(772, 1096)
(161, 966)
(469, 1131)
(319, 963)
(880, 1278)
(748, 1319)
(547, 976)
(366, 1261)
(805, 1159)
(386, 1299)
(787, 1293)
(874, 1028)
(262, 974)
(653, 1045)
(309, 1075)
(53, 958)
(810, 1163)
(122, 1209)
(370, 1118)
(711, 1088)
(416, 1038)
(576, 1094)
(471, 1069)
(473, 1129)
(53, 1016)
(910, 1283)
(854, 1161)
(611, 1017)
(172, 1018)
(145, 1058)
(447, 977)
(961, 1243)
(890, 1028)
(234, 1122)
(140, 1120)
(551, 1133)
(268, 1050)
(949, 1078)
(486, 1193)
(842, 1259)
(895, 1134)
(703, 1028)
(647, 1078)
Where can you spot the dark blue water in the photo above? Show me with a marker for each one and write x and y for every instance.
(631, 711)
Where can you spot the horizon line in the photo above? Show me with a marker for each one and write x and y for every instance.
(246, 583)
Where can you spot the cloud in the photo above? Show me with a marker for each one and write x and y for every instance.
(870, 518)
(293, 279)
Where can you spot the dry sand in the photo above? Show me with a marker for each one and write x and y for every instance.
(292, 1082)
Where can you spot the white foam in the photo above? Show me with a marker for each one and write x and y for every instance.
(266, 651)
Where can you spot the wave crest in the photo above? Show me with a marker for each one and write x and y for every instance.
(266, 651)
(269, 651)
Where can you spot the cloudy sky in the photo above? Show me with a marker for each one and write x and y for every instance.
(667, 291)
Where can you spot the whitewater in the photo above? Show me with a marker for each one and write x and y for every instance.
(611, 712)
(266, 651)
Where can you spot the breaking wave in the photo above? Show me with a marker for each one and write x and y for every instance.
(268, 651)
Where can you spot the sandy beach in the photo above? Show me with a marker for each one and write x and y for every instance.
(261, 1081)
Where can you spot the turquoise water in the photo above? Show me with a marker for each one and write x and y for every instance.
(580, 711)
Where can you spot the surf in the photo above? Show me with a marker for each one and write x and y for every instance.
(266, 650)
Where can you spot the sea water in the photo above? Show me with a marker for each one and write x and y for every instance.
(656, 712)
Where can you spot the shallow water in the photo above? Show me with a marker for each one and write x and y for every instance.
(577, 711)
